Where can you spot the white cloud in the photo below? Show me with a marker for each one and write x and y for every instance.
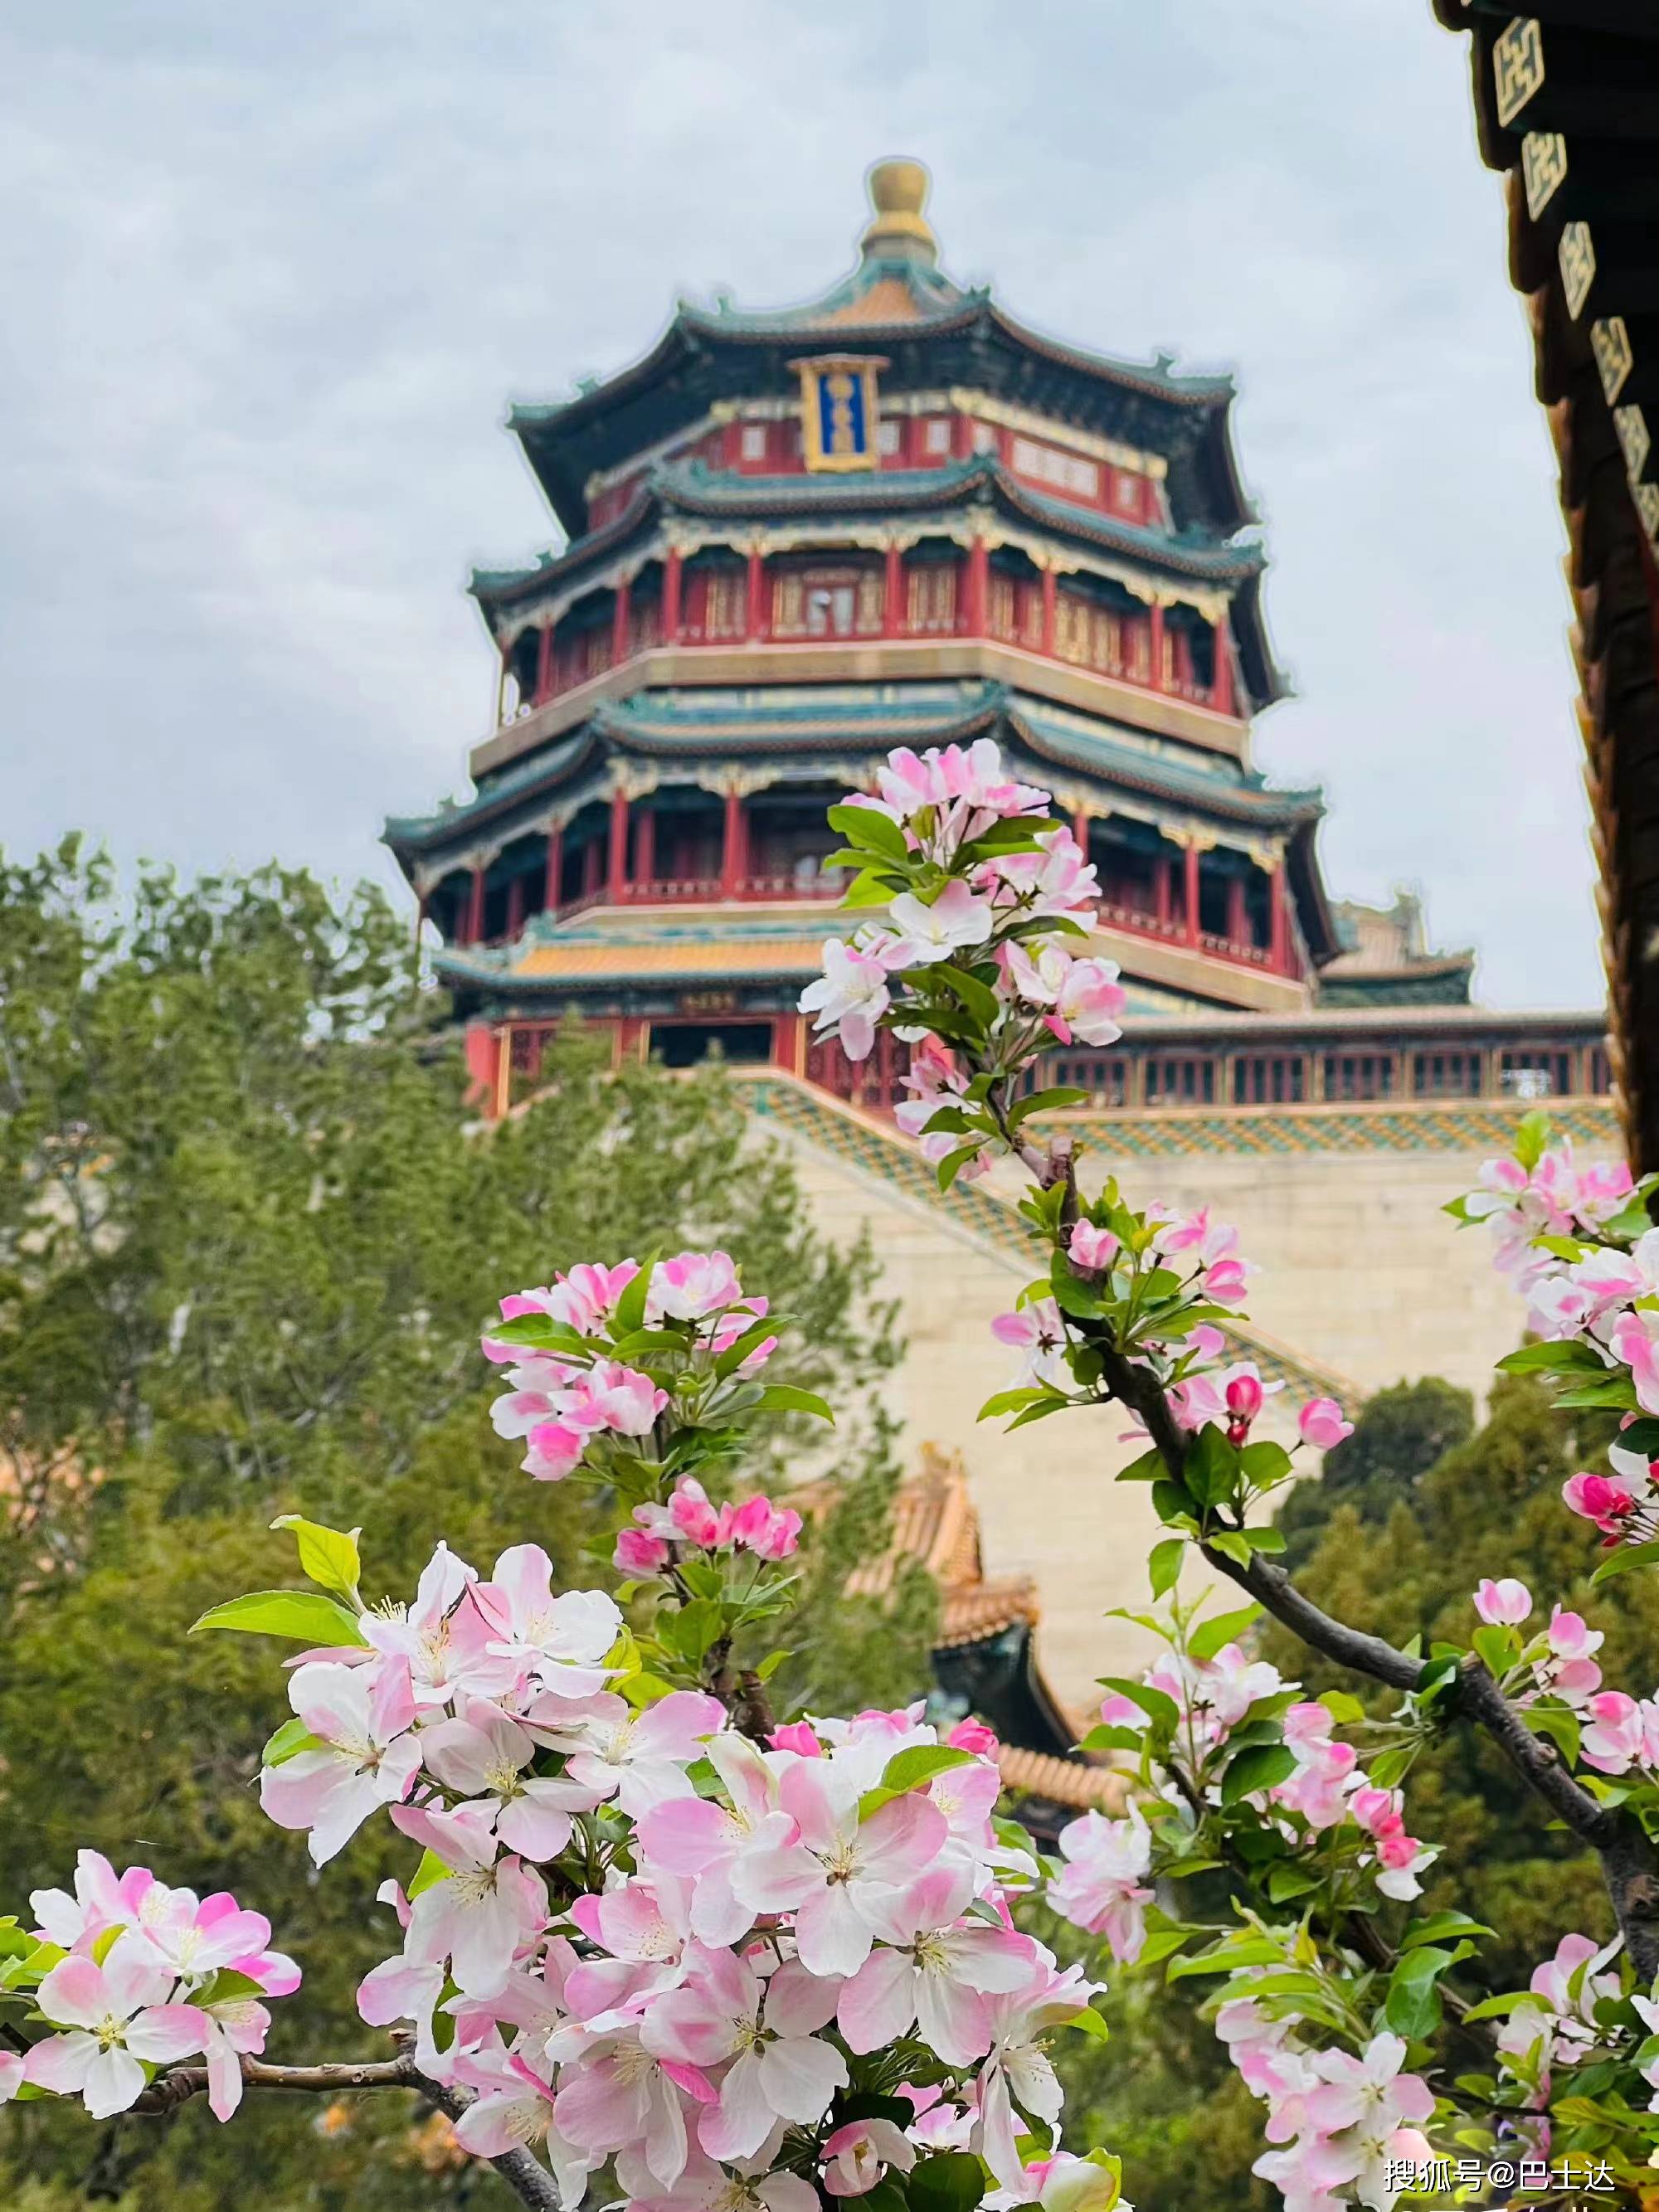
(272, 276)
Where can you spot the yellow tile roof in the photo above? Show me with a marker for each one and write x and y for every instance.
(778, 956)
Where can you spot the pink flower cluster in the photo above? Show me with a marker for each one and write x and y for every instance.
(145, 1976)
(942, 800)
(1556, 2026)
(1103, 1886)
(1212, 1697)
(690, 1523)
(1344, 2118)
(1625, 1505)
(1561, 1661)
(563, 1402)
(743, 1944)
(1604, 1296)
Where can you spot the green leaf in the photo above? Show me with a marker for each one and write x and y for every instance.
(1011, 1401)
(630, 1306)
(1532, 1138)
(305, 1615)
(292, 1738)
(908, 1770)
(785, 1398)
(1287, 1881)
(1103, 1738)
(1621, 1562)
(976, 999)
(1413, 2005)
(228, 1983)
(947, 2181)
(429, 1873)
(1258, 1767)
(1090, 2023)
(1441, 1923)
(1048, 1102)
(1159, 1707)
(1494, 1646)
(1149, 1467)
(1164, 1566)
(330, 1557)
(1552, 1358)
(1211, 1469)
(1207, 1638)
(1264, 1463)
(1344, 1709)
(953, 1163)
(872, 832)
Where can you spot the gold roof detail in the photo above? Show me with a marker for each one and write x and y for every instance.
(898, 193)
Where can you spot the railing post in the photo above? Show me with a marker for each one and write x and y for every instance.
(754, 585)
(475, 909)
(1158, 647)
(670, 596)
(1191, 888)
(892, 593)
(1050, 601)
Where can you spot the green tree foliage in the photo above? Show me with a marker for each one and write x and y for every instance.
(1404, 1431)
(247, 1238)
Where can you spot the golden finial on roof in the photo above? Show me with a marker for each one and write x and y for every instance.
(898, 193)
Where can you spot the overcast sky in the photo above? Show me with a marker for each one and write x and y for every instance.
(271, 275)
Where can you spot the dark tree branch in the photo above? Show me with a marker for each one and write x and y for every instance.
(1630, 1863)
(524, 2174)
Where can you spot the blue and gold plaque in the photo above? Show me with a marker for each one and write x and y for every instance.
(839, 412)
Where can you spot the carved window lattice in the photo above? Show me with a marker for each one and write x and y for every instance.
(932, 601)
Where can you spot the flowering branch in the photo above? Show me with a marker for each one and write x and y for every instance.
(973, 966)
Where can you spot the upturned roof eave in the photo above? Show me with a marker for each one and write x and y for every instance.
(673, 485)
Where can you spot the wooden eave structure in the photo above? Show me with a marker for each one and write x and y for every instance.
(1566, 103)
(702, 359)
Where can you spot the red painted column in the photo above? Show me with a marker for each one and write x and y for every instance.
(1080, 829)
(1279, 933)
(645, 847)
(670, 596)
(475, 910)
(544, 662)
(892, 594)
(754, 583)
(979, 571)
(555, 871)
(617, 872)
(1238, 917)
(1192, 894)
(733, 857)
(1157, 649)
(621, 614)
(962, 437)
(1221, 695)
(1050, 600)
(515, 908)
(1163, 889)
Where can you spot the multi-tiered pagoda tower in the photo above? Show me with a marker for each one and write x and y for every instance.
(893, 515)
(793, 540)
